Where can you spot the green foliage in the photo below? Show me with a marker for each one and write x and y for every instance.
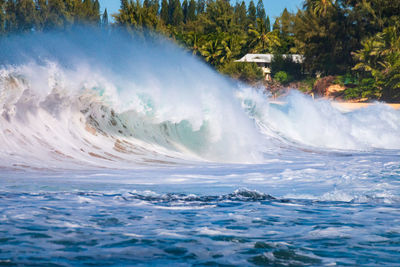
(365, 89)
(356, 41)
(191, 16)
(260, 12)
(286, 64)
(164, 11)
(306, 85)
(247, 72)
(268, 24)
(18, 16)
(177, 13)
(218, 17)
(25, 15)
(323, 40)
(137, 17)
(282, 77)
(277, 25)
(346, 80)
(212, 29)
(201, 6)
(319, 7)
(379, 58)
(252, 13)
(57, 14)
(261, 41)
(219, 49)
(328, 31)
(286, 23)
(185, 10)
(240, 15)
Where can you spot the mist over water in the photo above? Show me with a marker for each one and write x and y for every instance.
(91, 98)
(149, 92)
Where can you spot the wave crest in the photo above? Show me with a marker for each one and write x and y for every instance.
(89, 100)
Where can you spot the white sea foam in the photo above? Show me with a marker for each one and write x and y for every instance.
(86, 100)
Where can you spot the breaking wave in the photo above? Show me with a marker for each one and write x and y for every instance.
(91, 99)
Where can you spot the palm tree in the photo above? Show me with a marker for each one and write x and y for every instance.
(261, 40)
(211, 51)
(380, 57)
(219, 49)
(191, 40)
(319, 7)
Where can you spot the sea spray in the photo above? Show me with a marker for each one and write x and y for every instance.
(89, 99)
(104, 98)
(302, 121)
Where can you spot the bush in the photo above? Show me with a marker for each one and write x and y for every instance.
(244, 71)
(287, 65)
(282, 77)
(365, 89)
(345, 80)
(307, 84)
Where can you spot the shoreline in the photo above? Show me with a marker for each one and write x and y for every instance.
(349, 106)
(353, 106)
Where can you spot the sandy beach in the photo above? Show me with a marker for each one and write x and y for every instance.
(350, 106)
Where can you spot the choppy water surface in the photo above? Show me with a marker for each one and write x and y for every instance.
(121, 152)
(321, 210)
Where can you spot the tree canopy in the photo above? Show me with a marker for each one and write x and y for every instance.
(18, 16)
(337, 37)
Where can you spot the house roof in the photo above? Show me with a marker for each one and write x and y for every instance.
(267, 58)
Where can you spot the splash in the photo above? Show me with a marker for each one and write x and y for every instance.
(104, 99)
(91, 99)
(304, 122)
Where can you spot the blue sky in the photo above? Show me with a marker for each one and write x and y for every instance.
(273, 7)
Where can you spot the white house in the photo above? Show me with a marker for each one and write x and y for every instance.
(264, 61)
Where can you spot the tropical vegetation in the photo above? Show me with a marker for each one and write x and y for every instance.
(356, 41)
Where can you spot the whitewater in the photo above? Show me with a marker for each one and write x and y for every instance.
(130, 151)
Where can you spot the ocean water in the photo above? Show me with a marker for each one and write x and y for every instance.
(118, 151)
